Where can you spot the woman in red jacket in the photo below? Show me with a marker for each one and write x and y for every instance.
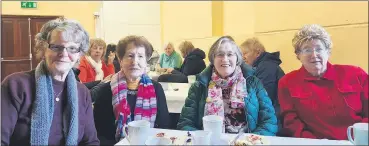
(320, 100)
(91, 66)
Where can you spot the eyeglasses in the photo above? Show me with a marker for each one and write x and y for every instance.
(60, 48)
(309, 51)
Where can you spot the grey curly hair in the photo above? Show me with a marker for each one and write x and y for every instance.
(73, 32)
(218, 43)
(311, 32)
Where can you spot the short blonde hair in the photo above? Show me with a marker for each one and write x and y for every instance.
(311, 32)
(219, 42)
(253, 44)
(97, 42)
(167, 44)
(186, 47)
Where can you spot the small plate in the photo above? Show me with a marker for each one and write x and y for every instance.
(245, 137)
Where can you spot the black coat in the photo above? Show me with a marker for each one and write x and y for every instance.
(104, 116)
(193, 63)
(267, 69)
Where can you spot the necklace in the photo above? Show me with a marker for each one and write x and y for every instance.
(57, 96)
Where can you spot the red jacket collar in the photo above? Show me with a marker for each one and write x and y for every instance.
(330, 74)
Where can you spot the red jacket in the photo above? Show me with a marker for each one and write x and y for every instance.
(87, 73)
(323, 108)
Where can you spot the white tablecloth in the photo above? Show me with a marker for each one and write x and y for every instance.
(273, 139)
(175, 98)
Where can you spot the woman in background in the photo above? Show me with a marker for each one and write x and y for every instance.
(111, 51)
(193, 60)
(170, 59)
(92, 67)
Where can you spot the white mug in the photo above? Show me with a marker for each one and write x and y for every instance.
(138, 131)
(213, 124)
(201, 137)
(360, 134)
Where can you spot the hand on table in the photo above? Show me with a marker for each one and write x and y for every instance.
(169, 70)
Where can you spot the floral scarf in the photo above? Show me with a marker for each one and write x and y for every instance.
(145, 108)
(214, 102)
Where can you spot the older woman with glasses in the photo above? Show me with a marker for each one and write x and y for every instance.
(47, 106)
(228, 88)
(320, 100)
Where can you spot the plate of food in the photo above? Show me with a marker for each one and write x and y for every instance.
(180, 140)
(250, 139)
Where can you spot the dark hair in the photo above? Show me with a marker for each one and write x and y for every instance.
(110, 47)
(138, 41)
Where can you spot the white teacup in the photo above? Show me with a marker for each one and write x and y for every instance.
(138, 131)
(201, 137)
(153, 140)
(360, 134)
(213, 124)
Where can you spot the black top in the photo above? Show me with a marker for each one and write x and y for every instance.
(104, 115)
(131, 98)
(193, 63)
(267, 69)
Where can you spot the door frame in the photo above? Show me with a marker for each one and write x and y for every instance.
(29, 31)
(31, 16)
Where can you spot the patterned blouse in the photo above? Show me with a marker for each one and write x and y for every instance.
(234, 117)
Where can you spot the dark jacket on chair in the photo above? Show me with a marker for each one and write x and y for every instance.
(193, 63)
(267, 69)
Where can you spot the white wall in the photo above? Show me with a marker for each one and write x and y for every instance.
(122, 18)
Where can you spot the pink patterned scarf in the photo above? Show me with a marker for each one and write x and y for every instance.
(145, 108)
(214, 101)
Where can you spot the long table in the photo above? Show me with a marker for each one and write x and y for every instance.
(176, 94)
(274, 140)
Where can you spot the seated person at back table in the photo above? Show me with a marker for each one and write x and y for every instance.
(320, 100)
(227, 88)
(193, 60)
(92, 66)
(170, 59)
(130, 95)
(266, 66)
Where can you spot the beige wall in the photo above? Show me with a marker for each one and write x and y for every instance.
(186, 20)
(276, 22)
(81, 11)
(122, 18)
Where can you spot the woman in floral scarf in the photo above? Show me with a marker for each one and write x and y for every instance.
(228, 88)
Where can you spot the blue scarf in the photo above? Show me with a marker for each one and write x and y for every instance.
(43, 108)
